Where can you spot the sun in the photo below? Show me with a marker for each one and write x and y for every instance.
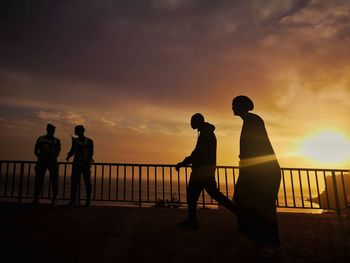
(326, 147)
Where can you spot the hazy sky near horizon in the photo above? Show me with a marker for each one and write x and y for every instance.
(133, 73)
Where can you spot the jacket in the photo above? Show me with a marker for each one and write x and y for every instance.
(204, 154)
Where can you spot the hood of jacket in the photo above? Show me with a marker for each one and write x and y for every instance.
(207, 127)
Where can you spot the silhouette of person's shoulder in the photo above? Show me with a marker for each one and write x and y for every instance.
(254, 118)
(41, 137)
(208, 128)
(45, 137)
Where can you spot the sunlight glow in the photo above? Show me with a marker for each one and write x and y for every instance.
(326, 147)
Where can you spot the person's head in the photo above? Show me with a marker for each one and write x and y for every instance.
(50, 129)
(79, 130)
(241, 105)
(197, 121)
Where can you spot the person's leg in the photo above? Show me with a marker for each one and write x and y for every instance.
(211, 188)
(53, 169)
(87, 183)
(40, 170)
(194, 189)
(75, 179)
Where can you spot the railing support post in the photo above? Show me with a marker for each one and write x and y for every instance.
(203, 199)
(140, 186)
(21, 174)
(336, 196)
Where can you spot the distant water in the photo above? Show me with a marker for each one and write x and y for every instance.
(126, 190)
(164, 183)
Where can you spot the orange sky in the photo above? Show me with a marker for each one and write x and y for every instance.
(134, 72)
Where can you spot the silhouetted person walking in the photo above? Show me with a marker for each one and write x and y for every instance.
(203, 160)
(83, 150)
(47, 149)
(258, 182)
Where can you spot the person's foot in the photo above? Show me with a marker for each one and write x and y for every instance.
(188, 224)
(270, 251)
(53, 203)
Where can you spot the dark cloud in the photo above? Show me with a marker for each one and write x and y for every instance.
(149, 48)
(138, 69)
(160, 50)
(278, 10)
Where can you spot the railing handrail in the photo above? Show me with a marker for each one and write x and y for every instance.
(298, 185)
(173, 165)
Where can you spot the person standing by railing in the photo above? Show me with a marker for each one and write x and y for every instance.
(258, 182)
(83, 150)
(203, 164)
(47, 148)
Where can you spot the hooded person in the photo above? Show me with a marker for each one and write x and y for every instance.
(203, 164)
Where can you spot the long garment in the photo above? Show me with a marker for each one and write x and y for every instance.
(258, 184)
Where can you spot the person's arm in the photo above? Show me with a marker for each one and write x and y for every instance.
(91, 149)
(71, 151)
(189, 159)
(58, 148)
(36, 148)
(201, 150)
(185, 162)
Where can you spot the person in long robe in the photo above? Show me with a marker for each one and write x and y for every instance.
(259, 179)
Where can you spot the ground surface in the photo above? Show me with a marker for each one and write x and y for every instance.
(121, 234)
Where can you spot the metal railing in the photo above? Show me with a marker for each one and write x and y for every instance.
(161, 185)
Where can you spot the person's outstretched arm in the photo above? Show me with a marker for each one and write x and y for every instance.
(36, 148)
(58, 148)
(71, 151)
(91, 149)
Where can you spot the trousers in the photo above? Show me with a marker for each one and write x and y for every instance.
(79, 169)
(204, 179)
(40, 169)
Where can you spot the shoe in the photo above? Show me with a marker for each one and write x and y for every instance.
(53, 203)
(270, 251)
(188, 224)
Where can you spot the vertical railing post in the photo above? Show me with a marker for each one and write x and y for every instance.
(21, 174)
(203, 199)
(140, 186)
(64, 181)
(336, 196)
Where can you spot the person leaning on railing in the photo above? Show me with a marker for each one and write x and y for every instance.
(83, 150)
